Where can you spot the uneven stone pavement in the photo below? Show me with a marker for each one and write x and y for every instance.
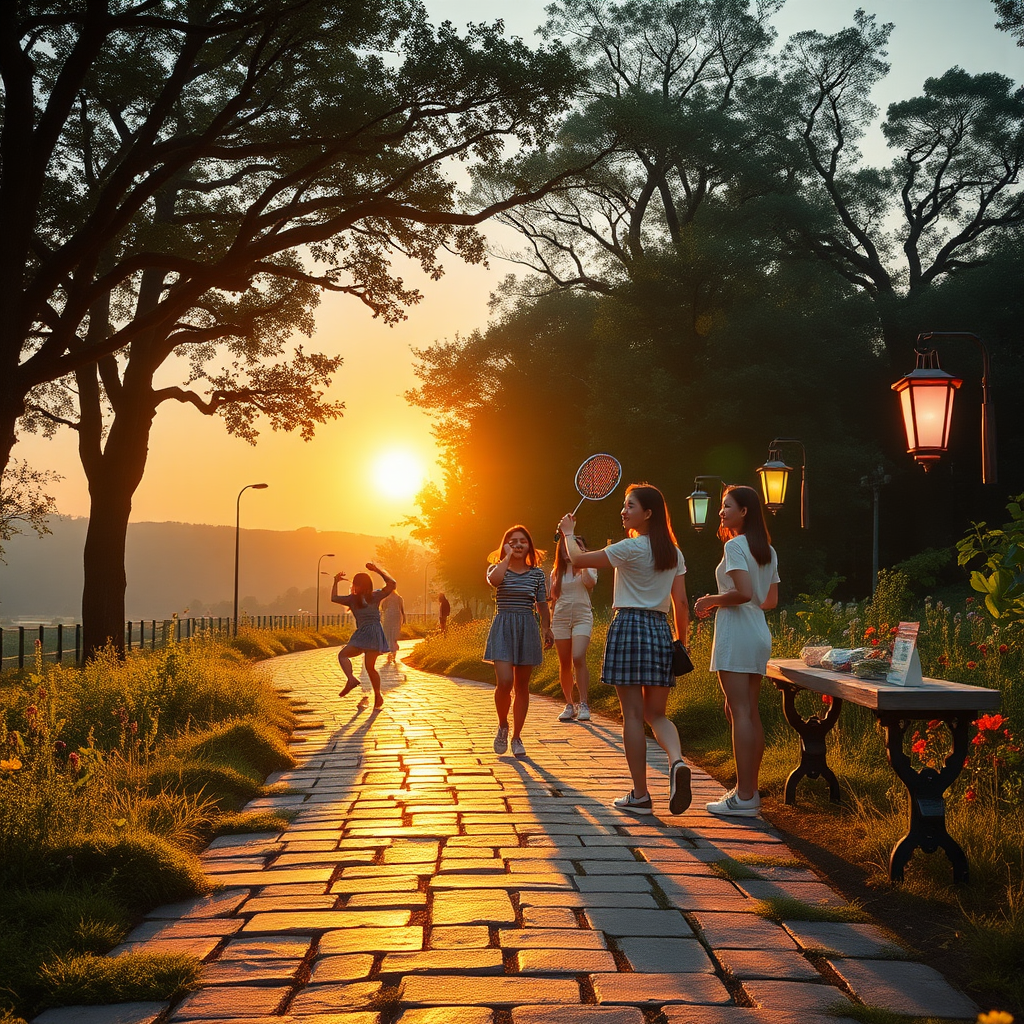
(426, 879)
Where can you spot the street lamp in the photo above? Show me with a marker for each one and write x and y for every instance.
(319, 573)
(699, 502)
(926, 401)
(238, 514)
(876, 480)
(774, 476)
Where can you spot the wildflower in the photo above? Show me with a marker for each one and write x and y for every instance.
(995, 1017)
(983, 648)
(1003, 648)
(979, 740)
(920, 747)
(994, 722)
(969, 600)
(870, 631)
(934, 724)
(826, 698)
(894, 630)
(74, 761)
(970, 796)
(943, 660)
(31, 712)
(972, 664)
(874, 642)
(59, 747)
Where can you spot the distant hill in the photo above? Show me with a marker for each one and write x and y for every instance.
(172, 566)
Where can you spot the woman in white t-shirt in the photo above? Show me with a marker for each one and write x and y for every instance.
(748, 585)
(650, 577)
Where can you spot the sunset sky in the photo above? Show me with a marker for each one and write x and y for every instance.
(359, 473)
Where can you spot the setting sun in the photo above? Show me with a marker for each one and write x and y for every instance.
(398, 474)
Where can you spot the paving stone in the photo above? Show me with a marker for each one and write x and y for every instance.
(215, 905)
(549, 917)
(666, 955)
(764, 963)
(610, 883)
(815, 893)
(273, 947)
(329, 997)
(200, 948)
(742, 931)
(551, 938)
(121, 1013)
(191, 929)
(386, 900)
(265, 904)
(616, 921)
(910, 988)
(841, 939)
(322, 920)
(252, 972)
(564, 961)
(468, 908)
(372, 940)
(354, 967)
(655, 989)
(456, 990)
(577, 1015)
(279, 876)
(231, 1002)
(447, 1015)
(794, 995)
(524, 881)
(459, 937)
(400, 883)
(746, 1015)
(473, 961)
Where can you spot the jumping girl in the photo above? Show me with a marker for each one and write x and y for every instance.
(748, 585)
(572, 622)
(368, 639)
(650, 577)
(514, 641)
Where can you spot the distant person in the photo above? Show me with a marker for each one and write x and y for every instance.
(572, 622)
(392, 618)
(368, 639)
(444, 609)
(514, 641)
(748, 585)
(650, 577)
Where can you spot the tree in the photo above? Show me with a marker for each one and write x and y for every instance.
(404, 563)
(952, 186)
(209, 168)
(1011, 18)
(24, 501)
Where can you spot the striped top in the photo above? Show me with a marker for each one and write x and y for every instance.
(519, 591)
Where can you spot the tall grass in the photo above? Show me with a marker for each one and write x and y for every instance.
(112, 777)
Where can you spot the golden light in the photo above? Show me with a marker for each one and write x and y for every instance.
(398, 474)
(926, 401)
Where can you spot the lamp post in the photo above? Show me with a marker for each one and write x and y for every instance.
(319, 573)
(238, 515)
(876, 480)
(699, 502)
(926, 401)
(774, 476)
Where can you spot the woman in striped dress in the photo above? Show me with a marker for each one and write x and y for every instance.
(650, 578)
(514, 640)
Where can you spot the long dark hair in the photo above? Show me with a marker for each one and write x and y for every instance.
(562, 564)
(362, 584)
(755, 529)
(659, 526)
(534, 556)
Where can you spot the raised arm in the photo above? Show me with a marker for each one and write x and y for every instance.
(345, 599)
(581, 559)
(496, 572)
(389, 583)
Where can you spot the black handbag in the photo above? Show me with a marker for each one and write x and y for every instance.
(681, 663)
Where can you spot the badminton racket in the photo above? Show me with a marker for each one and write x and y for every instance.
(596, 478)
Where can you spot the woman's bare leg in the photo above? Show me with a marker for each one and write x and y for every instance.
(564, 650)
(579, 663)
(741, 693)
(664, 729)
(634, 740)
(504, 678)
(521, 704)
(345, 656)
(370, 663)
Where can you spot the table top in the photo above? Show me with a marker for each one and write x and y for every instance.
(878, 695)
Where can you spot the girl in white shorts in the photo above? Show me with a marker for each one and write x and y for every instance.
(572, 622)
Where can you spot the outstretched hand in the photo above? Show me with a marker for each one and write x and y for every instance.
(372, 567)
(339, 576)
(567, 525)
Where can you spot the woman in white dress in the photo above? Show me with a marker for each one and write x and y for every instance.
(392, 618)
(572, 622)
(748, 578)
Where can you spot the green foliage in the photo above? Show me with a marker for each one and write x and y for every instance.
(1001, 554)
(924, 571)
(85, 979)
(789, 908)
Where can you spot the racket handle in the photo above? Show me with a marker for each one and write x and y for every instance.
(577, 508)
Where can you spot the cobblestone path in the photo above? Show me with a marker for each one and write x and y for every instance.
(428, 880)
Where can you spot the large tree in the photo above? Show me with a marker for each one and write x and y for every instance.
(177, 174)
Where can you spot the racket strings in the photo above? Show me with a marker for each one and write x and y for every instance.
(598, 476)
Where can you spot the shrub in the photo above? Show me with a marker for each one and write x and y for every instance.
(86, 979)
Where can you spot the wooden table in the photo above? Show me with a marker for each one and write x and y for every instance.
(895, 707)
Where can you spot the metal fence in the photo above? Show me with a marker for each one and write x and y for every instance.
(63, 643)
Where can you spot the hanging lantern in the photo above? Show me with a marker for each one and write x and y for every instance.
(774, 476)
(926, 401)
(698, 503)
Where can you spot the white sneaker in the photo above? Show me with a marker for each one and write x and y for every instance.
(568, 714)
(633, 804)
(583, 713)
(501, 739)
(733, 806)
(518, 750)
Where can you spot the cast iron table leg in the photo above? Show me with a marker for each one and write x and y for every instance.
(812, 732)
(926, 791)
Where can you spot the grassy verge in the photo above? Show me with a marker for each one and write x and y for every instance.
(112, 778)
(974, 933)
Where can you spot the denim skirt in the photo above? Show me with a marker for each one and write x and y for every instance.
(638, 651)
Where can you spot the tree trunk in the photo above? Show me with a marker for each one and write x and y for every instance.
(114, 476)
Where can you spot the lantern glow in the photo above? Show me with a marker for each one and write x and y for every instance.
(926, 401)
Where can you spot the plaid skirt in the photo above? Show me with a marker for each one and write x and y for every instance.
(514, 636)
(638, 651)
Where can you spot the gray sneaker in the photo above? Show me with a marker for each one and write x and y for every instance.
(568, 714)
(583, 713)
(733, 806)
(634, 805)
(518, 750)
(501, 739)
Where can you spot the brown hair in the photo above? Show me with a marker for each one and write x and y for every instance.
(659, 526)
(534, 556)
(562, 563)
(755, 529)
(362, 585)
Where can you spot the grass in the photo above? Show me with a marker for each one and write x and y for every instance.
(876, 1014)
(733, 869)
(116, 775)
(788, 908)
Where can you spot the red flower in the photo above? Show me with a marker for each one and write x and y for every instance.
(983, 648)
(969, 600)
(869, 631)
(972, 664)
(970, 796)
(894, 631)
(74, 761)
(874, 643)
(979, 739)
(1003, 648)
(920, 747)
(994, 722)
(826, 698)
(943, 660)
(934, 724)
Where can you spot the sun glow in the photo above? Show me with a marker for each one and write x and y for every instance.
(398, 474)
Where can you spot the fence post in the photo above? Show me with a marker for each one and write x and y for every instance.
(78, 643)
(60, 642)
(21, 647)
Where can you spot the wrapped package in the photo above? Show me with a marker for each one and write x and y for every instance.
(870, 668)
(811, 656)
(839, 659)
